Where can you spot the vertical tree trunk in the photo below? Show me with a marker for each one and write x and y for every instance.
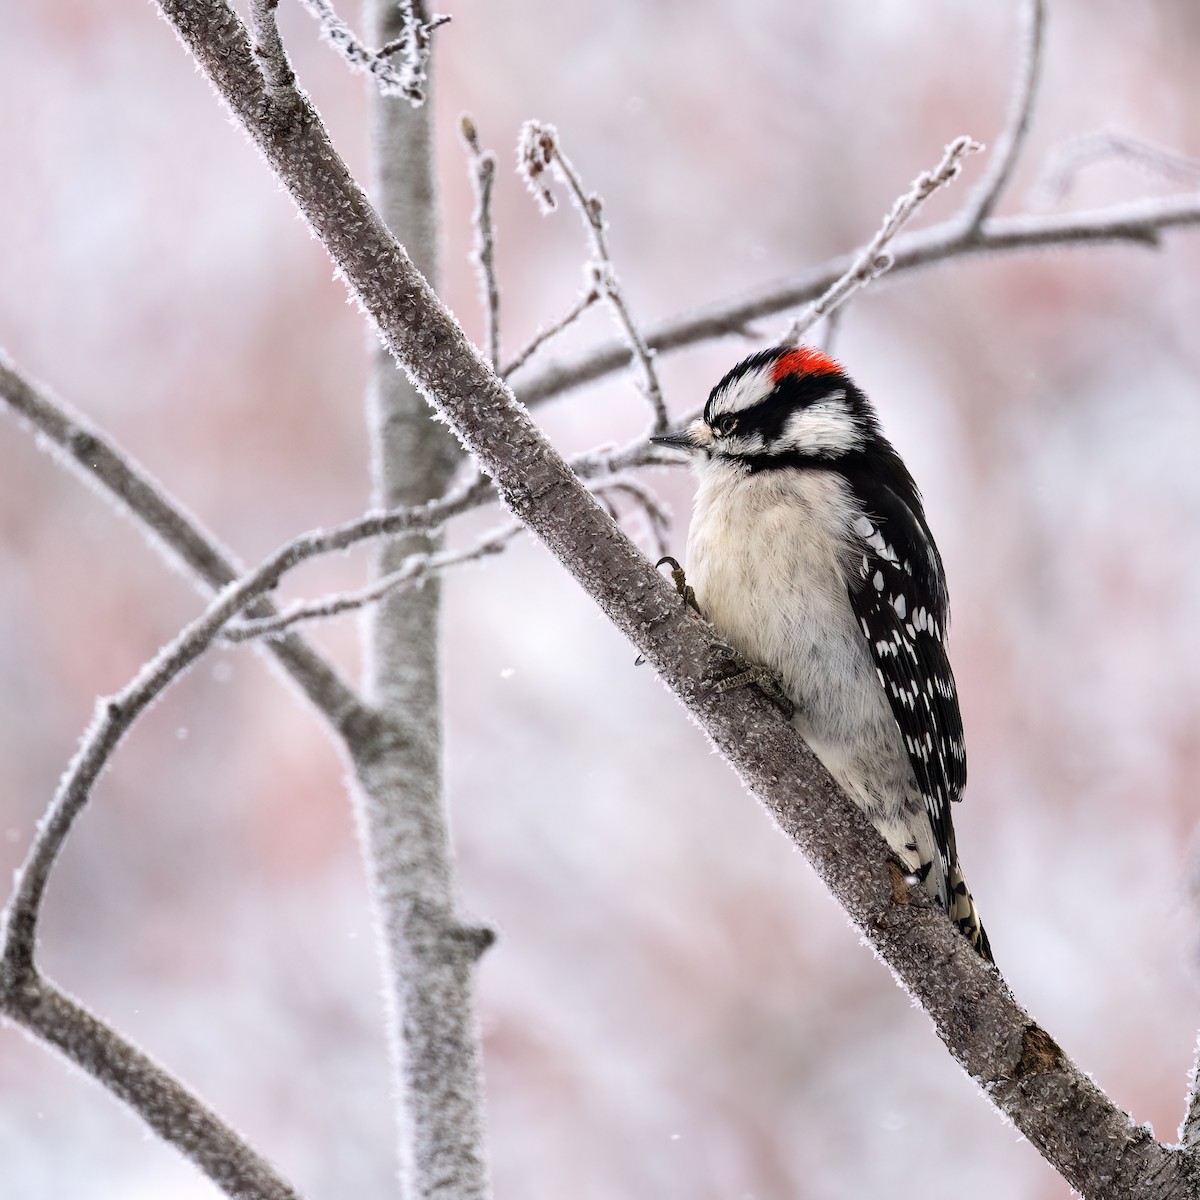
(429, 955)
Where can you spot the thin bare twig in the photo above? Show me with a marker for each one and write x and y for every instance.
(873, 260)
(406, 78)
(1065, 162)
(483, 178)
(539, 150)
(542, 336)
(173, 532)
(1003, 159)
(416, 569)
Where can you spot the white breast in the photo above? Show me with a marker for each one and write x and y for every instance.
(768, 557)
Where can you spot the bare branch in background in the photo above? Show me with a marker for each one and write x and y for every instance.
(1138, 222)
(419, 567)
(483, 254)
(542, 336)
(538, 151)
(404, 78)
(416, 569)
(172, 532)
(1066, 161)
(1096, 1147)
(1003, 159)
(873, 260)
(658, 519)
(429, 950)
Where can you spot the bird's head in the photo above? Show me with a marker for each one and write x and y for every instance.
(787, 406)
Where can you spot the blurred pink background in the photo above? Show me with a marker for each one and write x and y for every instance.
(675, 1008)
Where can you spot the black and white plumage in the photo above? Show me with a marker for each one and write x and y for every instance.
(810, 553)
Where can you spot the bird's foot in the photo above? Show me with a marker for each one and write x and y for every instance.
(681, 584)
(736, 672)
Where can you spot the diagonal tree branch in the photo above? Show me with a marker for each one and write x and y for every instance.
(164, 1104)
(1189, 1131)
(171, 529)
(1097, 1148)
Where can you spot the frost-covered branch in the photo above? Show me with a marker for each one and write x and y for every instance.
(1003, 159)
(173, 532)
(399, 65)
(873, 260)
(1137, 222)
(1096, 1147)
(538, 151)
(483, 253)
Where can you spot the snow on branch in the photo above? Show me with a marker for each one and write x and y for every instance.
(418, 567)
(399, 66)
(538, 151)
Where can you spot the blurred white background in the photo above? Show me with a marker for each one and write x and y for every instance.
(675, 1007)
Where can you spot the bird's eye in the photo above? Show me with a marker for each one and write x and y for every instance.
(725, 425)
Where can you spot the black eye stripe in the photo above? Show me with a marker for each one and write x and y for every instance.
(768, 417)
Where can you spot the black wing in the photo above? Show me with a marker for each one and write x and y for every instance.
(898, 593)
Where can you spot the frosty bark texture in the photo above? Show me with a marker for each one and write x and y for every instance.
(1097, 1148)
(429, 955)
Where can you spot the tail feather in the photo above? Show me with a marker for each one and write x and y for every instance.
(964, 914)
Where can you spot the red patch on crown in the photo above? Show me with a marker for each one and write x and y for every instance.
(803, 361)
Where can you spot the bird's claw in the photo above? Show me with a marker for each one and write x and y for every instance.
(743, 673)
(679, 578)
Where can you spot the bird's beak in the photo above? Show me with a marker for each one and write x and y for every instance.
(697, 436)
